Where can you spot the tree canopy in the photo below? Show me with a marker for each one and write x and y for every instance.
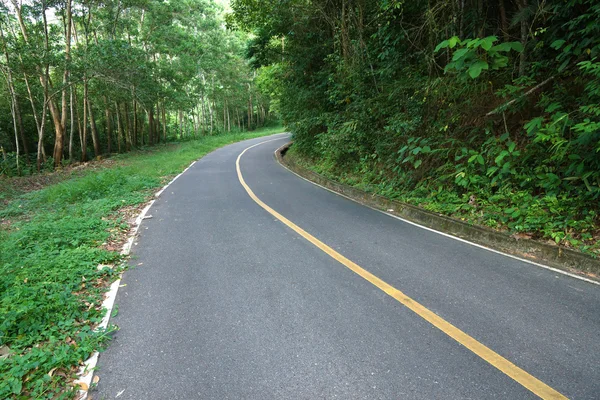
(123, 73)
(444, 101)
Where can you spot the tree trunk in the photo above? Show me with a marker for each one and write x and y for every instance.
(210, 108)
(95, 139)
(14, 117)
(135, 125)
(522, 4)
(119, 127)
(164, 124)
(21, 129)
(180, 123)
(61, 126)
(228, 119)
(151, 125)
(128, 133)
(224, 116)
(14, 106)
(81, 129)
(503, 20)
(108, 126)
(71, 131)
(202, 111)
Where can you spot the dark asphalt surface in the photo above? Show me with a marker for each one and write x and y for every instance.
(226, 302)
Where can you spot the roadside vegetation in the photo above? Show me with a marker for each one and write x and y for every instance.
(82, 79)
(486, 110)
(52, 242)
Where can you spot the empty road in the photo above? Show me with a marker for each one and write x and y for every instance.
(252, 283)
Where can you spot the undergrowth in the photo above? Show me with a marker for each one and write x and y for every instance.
(51, 244)
(559, 219)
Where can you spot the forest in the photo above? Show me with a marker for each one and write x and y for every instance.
(83, 79)
(485, 110)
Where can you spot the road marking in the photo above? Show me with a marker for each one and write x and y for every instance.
(525, 260)
(527, 380)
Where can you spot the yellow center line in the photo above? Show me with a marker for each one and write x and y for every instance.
(527, 380)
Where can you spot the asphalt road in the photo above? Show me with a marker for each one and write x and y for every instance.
(227, 302)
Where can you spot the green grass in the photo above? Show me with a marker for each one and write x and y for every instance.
(50, 286)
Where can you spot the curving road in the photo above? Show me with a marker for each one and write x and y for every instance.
(230, 299)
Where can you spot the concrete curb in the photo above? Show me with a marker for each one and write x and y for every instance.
(560, 258)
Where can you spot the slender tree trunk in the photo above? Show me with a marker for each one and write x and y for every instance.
(228, 119)
(135, 125)
(44, 77)
(107, 115)
(503, 20)
(81, 128)
(151, 125)
(119, 127)
(522, 4)
(202, 111)
(156, 130)
(71, 131)
(128, 125)
(60, 127)
(14, 106)
(180, 123)
(94, 129)
(164, 120)
(21, 129)
(12, 109)
(210, 108)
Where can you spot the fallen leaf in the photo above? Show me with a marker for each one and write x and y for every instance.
(82, 386)
(51, 372)
(96, 379)
(4, 351)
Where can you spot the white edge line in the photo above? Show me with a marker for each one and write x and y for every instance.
(559, 271)
(86, 372)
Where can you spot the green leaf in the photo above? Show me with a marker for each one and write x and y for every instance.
(460, 53)
(517, 46)
(534, 125)
(488, 42)
(499, 62)
(502, 47)
(453, 41)
(501, 156)
(480, 159)
(476, 68)
(418, 163)
(557, 44)
(441, 45)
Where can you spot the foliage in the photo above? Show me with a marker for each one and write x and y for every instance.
(133, 73)
(440, 102)
(51, 243)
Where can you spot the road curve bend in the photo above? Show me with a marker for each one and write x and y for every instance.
(252, 283)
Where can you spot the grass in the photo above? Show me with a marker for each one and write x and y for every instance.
(51, 244)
